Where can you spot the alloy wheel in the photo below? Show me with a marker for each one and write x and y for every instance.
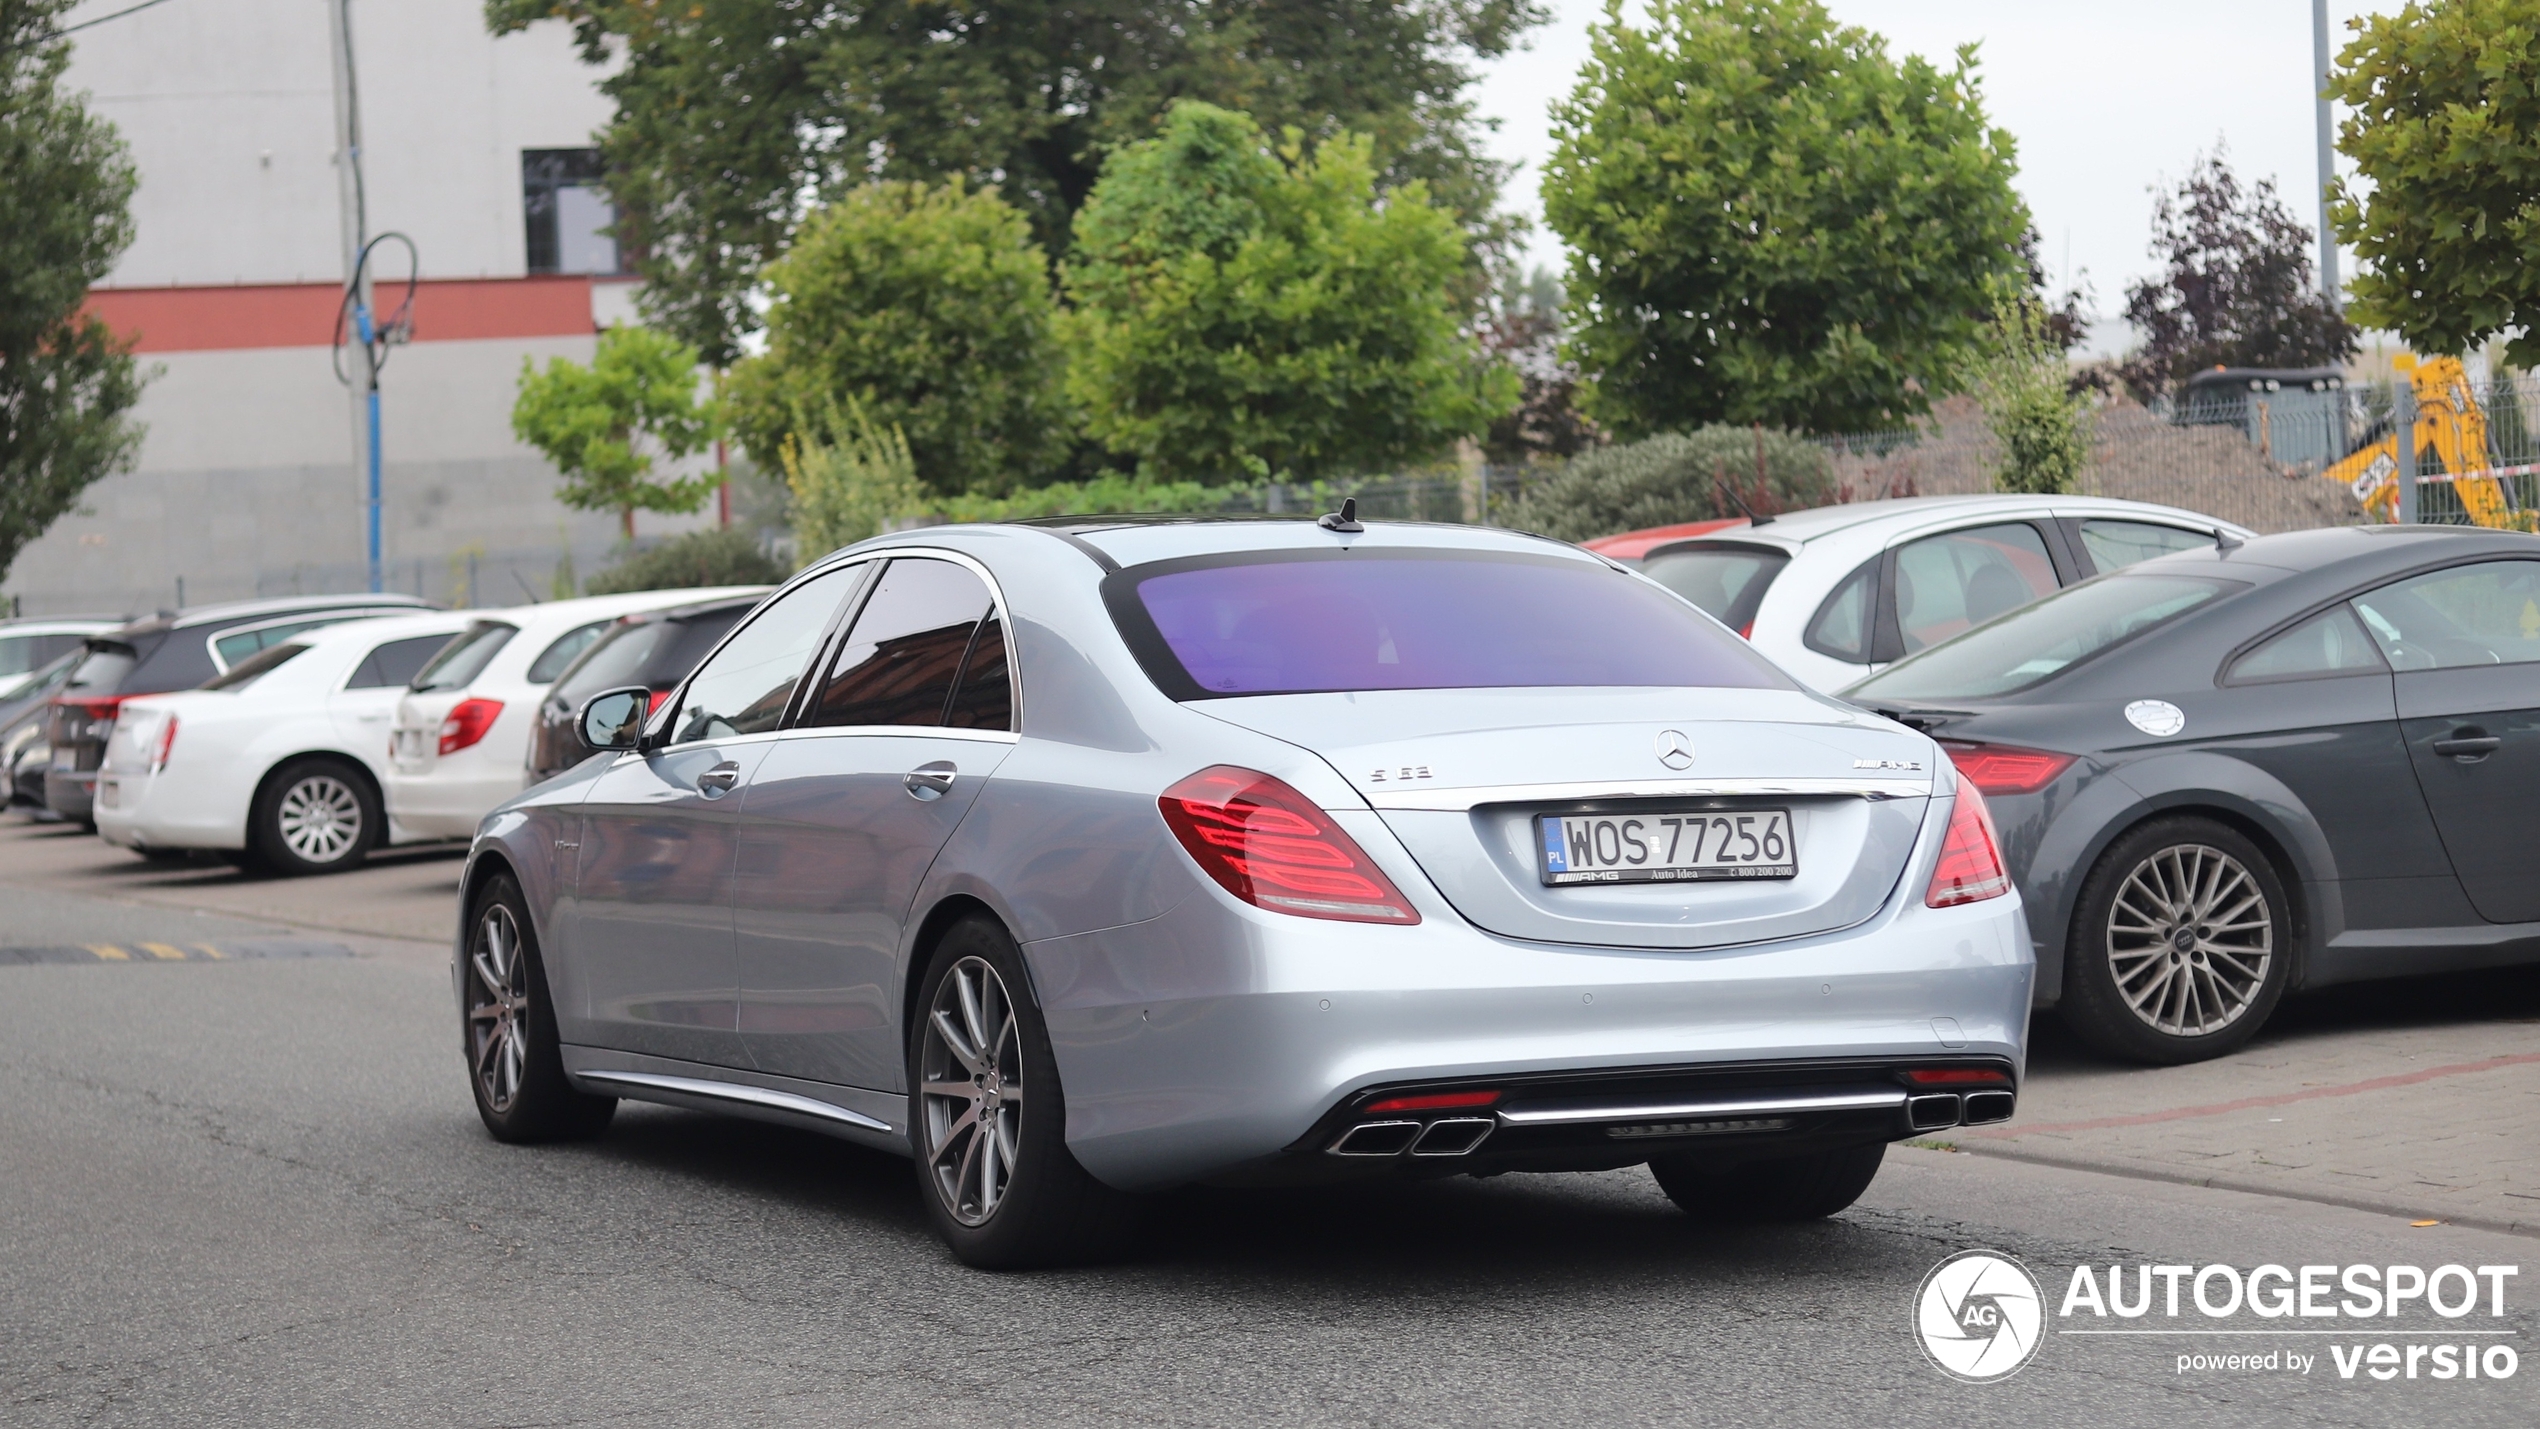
(497, 1008)
(320, 818)
(970, 1091)
(2190, 938)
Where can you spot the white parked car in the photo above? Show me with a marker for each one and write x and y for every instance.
(462, 730)
(1834, 593)
(27, 646)
(280, 760)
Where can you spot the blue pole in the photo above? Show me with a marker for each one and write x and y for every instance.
(370, 400)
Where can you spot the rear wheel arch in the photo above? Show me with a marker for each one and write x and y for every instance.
(939, 920)
(274, 772)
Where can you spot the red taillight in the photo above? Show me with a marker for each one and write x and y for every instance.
(467, 724)
(1268, 845)
(160, 747)
(1970, 868)
(1950, 1076)
(81, 717)
(2001, 769)
(1433, 1101)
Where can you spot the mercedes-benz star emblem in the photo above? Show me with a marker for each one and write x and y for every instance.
(1674, 750)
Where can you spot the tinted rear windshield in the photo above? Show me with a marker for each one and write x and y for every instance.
(1304, 622)
(465, 658)
(616, 658)
(1728, 582)
(104, 669)
(247, 671)
(2043, 640)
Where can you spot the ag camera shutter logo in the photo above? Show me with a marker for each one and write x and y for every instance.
(1980, 1316)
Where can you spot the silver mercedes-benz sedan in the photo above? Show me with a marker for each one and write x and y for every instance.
(1093, 857)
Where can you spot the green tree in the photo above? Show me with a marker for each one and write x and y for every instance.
(1772, 221)
(729, 111)
(930, 307)
(1717, 471)
(66, 382)
(602, 425)
(850, 477)
(1240, 310)
(2443, 101)
(700, 558)
(2022, 381)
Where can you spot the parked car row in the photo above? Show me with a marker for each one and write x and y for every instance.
(285, 733)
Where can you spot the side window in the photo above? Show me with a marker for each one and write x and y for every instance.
(745, 687)
(237, 645)
(900, 663)
(552, 660)
(2486, 614)
(2329, 643)
(985, 697)
(1949, 584)
(395, 662)
(1841, 626)
(2114, 545)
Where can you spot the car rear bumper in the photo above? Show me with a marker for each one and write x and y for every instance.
(73, 796)
(448, 803)
(1216, 1043)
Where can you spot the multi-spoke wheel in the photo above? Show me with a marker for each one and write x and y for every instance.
(992, 1161)
(315, 816)
(971, 1092)
(514, 1067)
(2179, 943)
(497, 1008)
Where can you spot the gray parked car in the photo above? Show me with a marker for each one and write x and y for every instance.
(1095, 857)
(2303, 760)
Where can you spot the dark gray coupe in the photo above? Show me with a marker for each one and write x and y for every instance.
(2299, 760)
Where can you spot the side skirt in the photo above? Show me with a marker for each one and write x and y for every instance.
(867, 1118)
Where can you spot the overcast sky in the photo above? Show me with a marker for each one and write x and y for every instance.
(2106, 102)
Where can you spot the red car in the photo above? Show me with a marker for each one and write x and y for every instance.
(1629, 546)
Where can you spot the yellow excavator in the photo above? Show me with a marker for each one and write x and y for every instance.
(2451, 437)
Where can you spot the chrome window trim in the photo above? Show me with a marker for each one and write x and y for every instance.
(1005, 631)
(1466, 799)
(912, 731)
(1573, 1113)
(736, 1092)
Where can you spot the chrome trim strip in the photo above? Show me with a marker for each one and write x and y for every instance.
(1462, 800)
(1572, 1113)
(904, 731)
(735, 1092)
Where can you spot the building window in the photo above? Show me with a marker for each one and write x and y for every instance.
(568, 216)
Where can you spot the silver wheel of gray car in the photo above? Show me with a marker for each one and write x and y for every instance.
(319, 818)
(497, 1007)
(2190, 940)
(970, 1091)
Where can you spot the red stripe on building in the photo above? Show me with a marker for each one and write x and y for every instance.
(231, 318)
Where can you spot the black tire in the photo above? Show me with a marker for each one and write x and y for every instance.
(1046, 1209)
(317, 815)
(1796, 1188)
(165, 856)
(2177, 1003)
(507, 1029)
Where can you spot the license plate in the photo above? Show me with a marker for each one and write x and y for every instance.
(1666, 846)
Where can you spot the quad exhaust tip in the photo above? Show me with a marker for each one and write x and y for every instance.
(1984, 1107)
(1932, 1111)
(1446, 1136)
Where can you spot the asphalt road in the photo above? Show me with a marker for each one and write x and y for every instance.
(252, 1191)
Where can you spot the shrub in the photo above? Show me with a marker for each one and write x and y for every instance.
(705, 558)
(1716, 471)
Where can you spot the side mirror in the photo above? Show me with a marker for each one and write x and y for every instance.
(614, 719)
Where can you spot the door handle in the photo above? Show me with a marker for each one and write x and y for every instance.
(2469, 743)
(931, 781)
(718, 781)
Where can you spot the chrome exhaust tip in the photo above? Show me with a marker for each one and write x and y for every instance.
(1983, 1107)
(1936, 1111)
(1376, 1138)
(1453, 1136)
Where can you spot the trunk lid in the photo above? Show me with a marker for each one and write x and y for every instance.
(1460, 776)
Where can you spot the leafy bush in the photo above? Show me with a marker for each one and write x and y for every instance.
(2025, 389)
(705, 558)
(850, 475)
(1711, 473)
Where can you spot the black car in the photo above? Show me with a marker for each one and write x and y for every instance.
(2218, 776)
(172, 652)
(655, 648)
